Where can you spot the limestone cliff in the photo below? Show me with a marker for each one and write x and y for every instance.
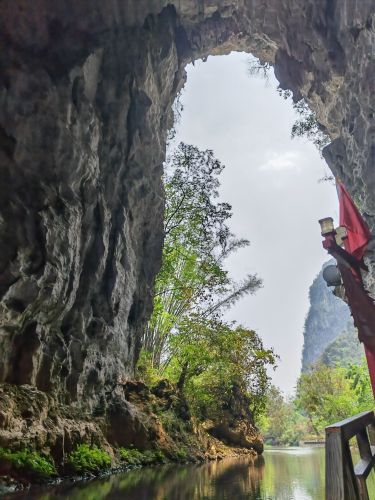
(86, 92)
(327, 318)
(345, 349)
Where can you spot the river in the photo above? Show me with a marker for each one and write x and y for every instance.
(280, 474)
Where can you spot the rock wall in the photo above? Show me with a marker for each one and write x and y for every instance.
(86, 93)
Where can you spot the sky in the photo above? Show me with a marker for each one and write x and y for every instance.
(271, 181)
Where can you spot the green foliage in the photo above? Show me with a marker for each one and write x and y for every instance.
(324, 396)
(213, 363)
(87, 458)
(145, 369)
(131, 456)
(307, 126)
(282, 423)
(216, 362)
(180, 456)
(197, 240)
(360, 384)
(344, 351)
(327, 395)
(135, 457)
(29, 462)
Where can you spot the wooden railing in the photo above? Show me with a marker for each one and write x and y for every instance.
(345, 481)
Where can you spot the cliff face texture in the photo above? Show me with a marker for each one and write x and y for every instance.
(328, 317)
(86, 92)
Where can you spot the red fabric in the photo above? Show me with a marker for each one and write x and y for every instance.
(371, 367)
(358, 232)
(363, 312)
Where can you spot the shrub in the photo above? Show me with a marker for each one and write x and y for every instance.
(88, 459)
(159, 457)
(29, 462)
(179, 456)
(131, 457)
(152, 457)
(136, 457)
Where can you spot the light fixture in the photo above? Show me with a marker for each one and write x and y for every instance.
(341, 235)
(332, 276)
(326, 226)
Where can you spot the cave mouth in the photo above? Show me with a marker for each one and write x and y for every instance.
(88, 94)
(273, 183)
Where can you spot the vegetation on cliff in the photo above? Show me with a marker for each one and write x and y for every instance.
(87, 458)
(306, 125)
(27, 462)
(345, 350)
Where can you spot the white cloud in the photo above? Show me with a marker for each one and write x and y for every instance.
(278, 162)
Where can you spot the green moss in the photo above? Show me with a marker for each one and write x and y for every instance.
(136, 457)
(29, 462)
(87, 458)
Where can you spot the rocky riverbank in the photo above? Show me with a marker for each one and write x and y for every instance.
(42, 440)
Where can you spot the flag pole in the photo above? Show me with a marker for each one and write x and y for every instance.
(350, 263)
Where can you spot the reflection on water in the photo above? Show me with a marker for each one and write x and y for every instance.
(281, 474)
(290, 474)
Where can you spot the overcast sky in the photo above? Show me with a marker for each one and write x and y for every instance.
(271, 181)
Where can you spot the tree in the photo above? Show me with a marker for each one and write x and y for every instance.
(327, 395)
(197, 242)
(308, 126)
(360, 384)
(211, 361)
(282, 423)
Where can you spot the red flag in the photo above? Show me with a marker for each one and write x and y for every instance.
(357, 230)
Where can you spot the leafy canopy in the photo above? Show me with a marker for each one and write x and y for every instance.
(330, 394)
(193, 278)
(186, 339)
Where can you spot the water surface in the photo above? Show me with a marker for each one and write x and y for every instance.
(280, 474)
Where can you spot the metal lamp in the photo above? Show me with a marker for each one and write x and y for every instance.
(332, 276)
(326, 226)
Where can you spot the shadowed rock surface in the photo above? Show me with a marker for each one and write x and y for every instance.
(86, 95)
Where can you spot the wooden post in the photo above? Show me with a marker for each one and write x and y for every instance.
(341, 483)
(334, 467)
(343, 480)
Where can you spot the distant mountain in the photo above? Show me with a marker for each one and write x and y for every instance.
(344, 350)
(327, 319)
